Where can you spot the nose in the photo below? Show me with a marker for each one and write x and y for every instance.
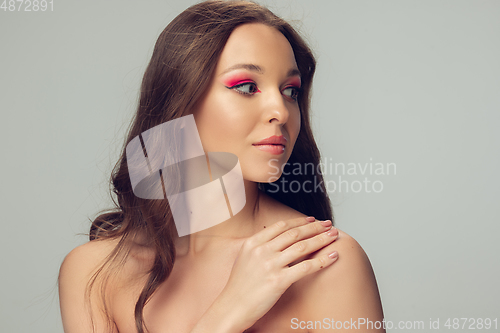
(275, 109)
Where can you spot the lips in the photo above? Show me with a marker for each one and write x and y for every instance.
(274, 144)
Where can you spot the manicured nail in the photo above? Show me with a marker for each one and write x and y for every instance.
(333, 232)
(310, 219)
(333, 255)
(326, 223)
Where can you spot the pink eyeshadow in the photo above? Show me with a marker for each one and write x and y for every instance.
(236, 79)
(295, 82)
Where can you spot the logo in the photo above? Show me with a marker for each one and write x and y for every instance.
(202, 189)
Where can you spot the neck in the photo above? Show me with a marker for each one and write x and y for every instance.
(242, 225)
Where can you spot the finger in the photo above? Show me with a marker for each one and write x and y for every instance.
(297, 234)
(306, 267)
(307, 246)
(323, 251)
(278, 228)
(328, 248)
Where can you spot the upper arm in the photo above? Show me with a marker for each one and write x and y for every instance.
(81, 311)
(345, 291)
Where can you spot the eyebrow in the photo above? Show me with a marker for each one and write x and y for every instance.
(257, 69)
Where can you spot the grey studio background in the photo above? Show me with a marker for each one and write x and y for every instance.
(413, 84)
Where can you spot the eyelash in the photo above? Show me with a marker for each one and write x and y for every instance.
(296, 90)
(242, 84)
(294, 96)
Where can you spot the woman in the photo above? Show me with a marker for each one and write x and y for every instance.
(245, 76)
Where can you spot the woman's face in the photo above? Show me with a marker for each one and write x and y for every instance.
(251, 108)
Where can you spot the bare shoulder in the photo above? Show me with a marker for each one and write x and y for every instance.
(352, 258)
(84, 260)
(352, 264)
(81, 311)
(345, 290)
(88, 290)
(86, 257)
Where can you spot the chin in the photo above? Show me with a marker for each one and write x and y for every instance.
(262, 170)
(261, 176)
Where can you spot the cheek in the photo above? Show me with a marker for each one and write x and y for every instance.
(295, 123)
(222, 126)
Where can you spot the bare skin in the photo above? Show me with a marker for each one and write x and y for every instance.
(250, 273)
(341, 290)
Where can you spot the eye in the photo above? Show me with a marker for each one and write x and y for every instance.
(291, 92)
(245, 88)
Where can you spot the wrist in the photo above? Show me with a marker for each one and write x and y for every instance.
(221, 317)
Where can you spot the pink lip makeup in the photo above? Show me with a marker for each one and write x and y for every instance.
(274, 145)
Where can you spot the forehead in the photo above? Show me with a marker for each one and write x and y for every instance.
(259, 44)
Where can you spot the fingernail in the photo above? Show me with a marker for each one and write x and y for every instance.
(310, 219)
(333, 232)
(326, 223)
(333, 255)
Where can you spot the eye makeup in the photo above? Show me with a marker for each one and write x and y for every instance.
(241, 83)
(239, 80)
(292, 89)
(236, 79)
(294, 82)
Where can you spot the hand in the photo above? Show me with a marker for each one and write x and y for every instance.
(269, 262)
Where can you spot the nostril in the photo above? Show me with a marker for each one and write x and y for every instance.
(281, 120)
